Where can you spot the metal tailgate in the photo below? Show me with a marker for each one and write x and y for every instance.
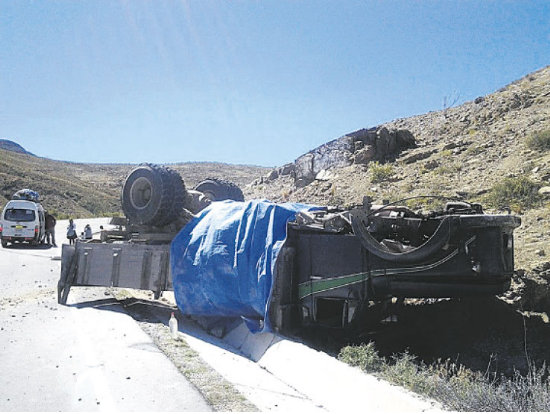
(136, 266)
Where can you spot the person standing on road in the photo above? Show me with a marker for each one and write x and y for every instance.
(50, 229)
(71, 232)
(88, 232)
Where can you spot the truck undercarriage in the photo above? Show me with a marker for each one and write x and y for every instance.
(332, 273)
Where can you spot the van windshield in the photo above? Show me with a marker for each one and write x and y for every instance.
(19, 214)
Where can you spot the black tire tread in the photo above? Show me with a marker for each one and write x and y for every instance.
(223, 189)
(179, 195)
(166, 207)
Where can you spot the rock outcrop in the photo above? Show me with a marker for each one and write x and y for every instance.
(359, 147)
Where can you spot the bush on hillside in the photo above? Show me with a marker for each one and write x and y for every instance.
(380, 172)
(517, 193)
(539, 141)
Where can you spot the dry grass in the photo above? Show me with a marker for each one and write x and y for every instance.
(539, 141)
(454, 386)
(380, 172)
(517, 193)
(220, 393)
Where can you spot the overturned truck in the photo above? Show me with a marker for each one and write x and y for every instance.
(285, 267)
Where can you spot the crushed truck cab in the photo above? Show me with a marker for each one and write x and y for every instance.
(285, 267)
(334, 263)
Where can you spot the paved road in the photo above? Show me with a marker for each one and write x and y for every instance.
(76, 358)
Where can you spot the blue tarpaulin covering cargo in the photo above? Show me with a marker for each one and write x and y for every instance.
(222, 262)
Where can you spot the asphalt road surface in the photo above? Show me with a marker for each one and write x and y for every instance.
(76, 358)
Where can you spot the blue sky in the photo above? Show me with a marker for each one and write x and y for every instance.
(245, 82)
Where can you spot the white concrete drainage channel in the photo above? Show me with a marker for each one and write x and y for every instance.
(275, 373)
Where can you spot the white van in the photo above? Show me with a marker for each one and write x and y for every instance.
(22, 221)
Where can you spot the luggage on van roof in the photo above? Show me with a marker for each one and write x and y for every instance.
(26, 194)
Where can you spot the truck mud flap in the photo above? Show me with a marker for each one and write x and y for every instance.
(68, 272)
(135, 266)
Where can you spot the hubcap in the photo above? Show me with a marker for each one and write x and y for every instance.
(140, 193)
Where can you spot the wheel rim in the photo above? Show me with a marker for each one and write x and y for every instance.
(210, 195)
(140, 193)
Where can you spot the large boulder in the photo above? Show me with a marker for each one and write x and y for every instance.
(359, 147)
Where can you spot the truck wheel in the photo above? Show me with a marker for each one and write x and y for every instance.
(152, 195)
(180, 197)
(4, 243)
(217, 190)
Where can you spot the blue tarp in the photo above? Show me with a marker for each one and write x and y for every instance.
(222, 261)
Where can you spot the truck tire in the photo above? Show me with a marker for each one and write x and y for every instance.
(180, 194)
(4, 243)
(217, 189)
(152, 195)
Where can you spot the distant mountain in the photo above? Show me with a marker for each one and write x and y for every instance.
(8, 145)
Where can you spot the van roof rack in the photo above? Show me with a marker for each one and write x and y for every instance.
(26, 194)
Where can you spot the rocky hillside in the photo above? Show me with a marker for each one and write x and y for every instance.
(86, 190)
(494, 150)
(468, 151)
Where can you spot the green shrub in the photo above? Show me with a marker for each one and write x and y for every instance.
(363, 356)
(407, 372)
(517, 193)
(380, 172)
(539, 141)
